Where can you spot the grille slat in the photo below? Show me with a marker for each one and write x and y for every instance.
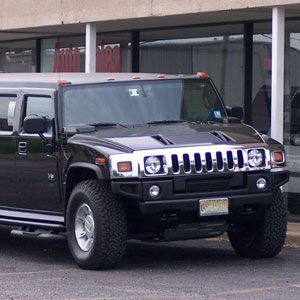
(220, 165)
(209, 162)
(230, 162)
(240, 159)
(198, 165)
(175, 163)
(186, 163)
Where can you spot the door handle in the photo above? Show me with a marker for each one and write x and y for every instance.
(22, 148)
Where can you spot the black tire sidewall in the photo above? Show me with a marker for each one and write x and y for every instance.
(266, 238)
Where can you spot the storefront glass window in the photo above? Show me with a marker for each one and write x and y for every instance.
(261, 95)
(261, 80)
(187, 51)
(63, 54)
(16, 57)
(67, 54)
(113, 52)
(292, 112)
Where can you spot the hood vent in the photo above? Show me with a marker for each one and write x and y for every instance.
(163, 140)
(222, 136)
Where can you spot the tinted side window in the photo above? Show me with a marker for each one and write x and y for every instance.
(40, 106)
(7, 107)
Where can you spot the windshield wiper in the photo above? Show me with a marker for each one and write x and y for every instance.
(166, 122)
(106, 124)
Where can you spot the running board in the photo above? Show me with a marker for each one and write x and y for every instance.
(44, 234)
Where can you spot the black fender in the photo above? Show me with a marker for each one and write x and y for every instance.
(83, 165)
(77, 172)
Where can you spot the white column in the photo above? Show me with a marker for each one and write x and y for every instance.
(277, 95)
(90, 48)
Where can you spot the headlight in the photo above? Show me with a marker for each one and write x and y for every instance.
(153, 164)
(255, 158)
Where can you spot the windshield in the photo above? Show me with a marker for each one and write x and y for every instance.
(142, 102)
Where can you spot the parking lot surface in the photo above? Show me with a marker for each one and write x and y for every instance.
(198, 269)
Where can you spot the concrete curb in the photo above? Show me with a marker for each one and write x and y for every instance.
(293, 235)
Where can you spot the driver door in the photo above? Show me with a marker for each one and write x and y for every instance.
(37, 167)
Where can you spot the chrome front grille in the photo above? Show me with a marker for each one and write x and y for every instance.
(206, 162)
(194, 160)
(209, 159)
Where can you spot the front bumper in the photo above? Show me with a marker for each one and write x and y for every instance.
(178, 202)
(242, 208)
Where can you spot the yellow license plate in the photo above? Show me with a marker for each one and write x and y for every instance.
(213, 206)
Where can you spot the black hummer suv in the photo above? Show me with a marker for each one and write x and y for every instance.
(107, 158)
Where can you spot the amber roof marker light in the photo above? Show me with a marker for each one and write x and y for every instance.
(136, 77)
(202, 75)
(63, 81)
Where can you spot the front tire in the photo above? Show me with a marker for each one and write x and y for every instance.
(96, 225)
(265, 239)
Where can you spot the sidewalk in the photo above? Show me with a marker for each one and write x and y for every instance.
(293, 235)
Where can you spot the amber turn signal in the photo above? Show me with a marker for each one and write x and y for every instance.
(278, 157)
(100, 161)
(124, 166)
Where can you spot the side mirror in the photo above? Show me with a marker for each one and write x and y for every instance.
(35, 124)
(235, 111)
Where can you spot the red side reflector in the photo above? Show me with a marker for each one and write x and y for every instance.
(202, 75)
(136, 77)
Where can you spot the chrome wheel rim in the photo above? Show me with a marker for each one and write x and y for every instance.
(84, 227)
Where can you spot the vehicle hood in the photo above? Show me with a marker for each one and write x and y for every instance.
(168, 135)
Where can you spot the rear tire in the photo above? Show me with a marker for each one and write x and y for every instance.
(265, 239)
(96, 225)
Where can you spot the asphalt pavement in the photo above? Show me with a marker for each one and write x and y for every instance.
(199, 269)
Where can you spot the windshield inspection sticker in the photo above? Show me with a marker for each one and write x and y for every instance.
(217, 113)
(133, 93)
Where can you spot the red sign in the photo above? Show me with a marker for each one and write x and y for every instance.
(108, 59)
(66, 60)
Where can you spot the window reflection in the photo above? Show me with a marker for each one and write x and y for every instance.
(292, 113)
(190, 50)
(16, 57)
(261, 85)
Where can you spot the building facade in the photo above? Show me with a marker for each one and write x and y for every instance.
(251, 50)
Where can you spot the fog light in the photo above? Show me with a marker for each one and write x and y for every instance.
(154, 191)
(261, 183)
